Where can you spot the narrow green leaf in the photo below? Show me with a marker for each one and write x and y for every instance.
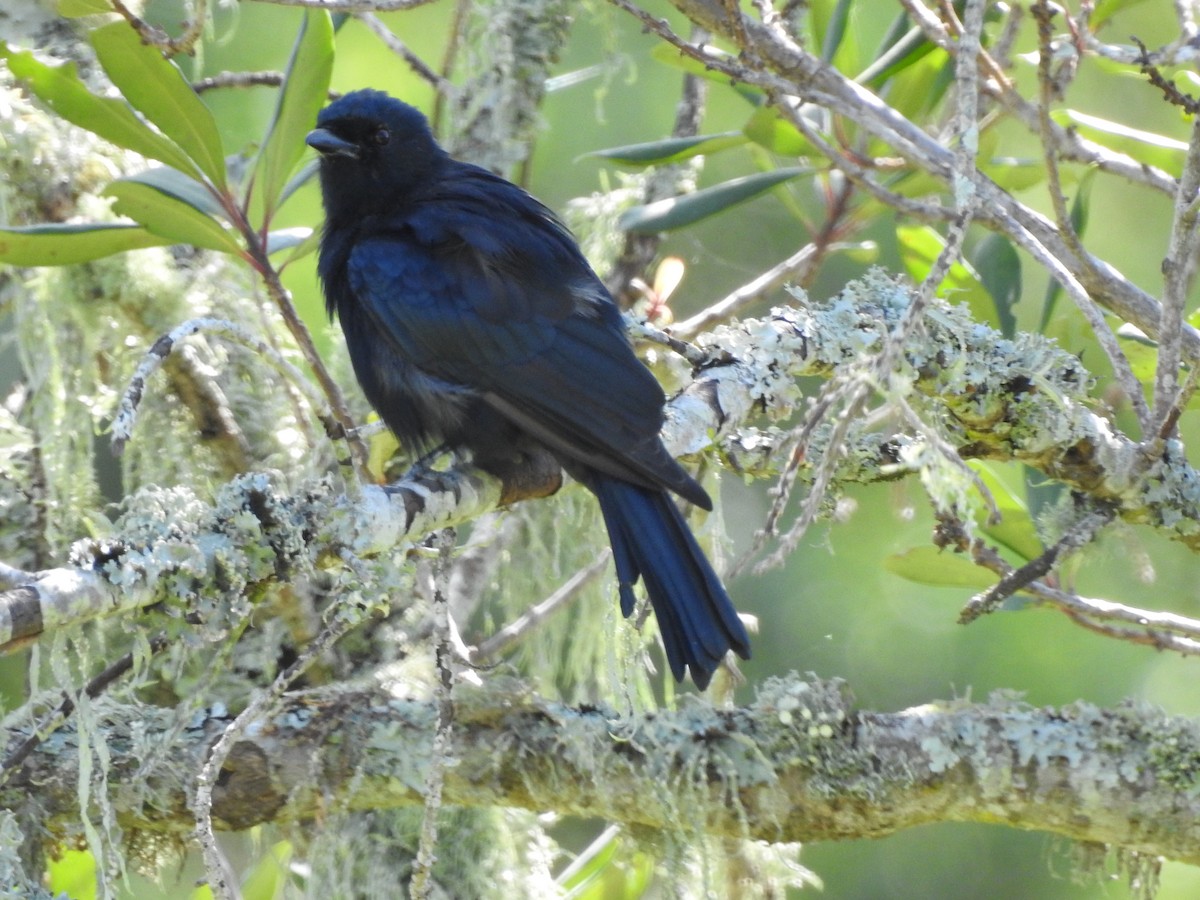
(1015, 530)
(65, 245)
(1106, 9)
(1140, 350)
(919, 248)
(835, 29)
(1144, 146)
(668, 55)
(1014, 173)
(155, 87)
(107, 117)
(169, 217)
(301, 98)
(75, 9)
(767, 128)
(999, 269)
(269, 875)
(938, 568)
(307, 172)
(908, 50)
(72, 874)
(181, 187)
(287, 238)
(676, 212)
(670, 150)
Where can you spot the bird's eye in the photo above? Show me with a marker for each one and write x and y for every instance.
(382, 136)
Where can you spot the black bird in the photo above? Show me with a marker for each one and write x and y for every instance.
(473, 321)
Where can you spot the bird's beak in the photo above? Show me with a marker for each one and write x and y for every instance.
(327, 143)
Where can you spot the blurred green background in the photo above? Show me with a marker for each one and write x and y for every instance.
(832, 609)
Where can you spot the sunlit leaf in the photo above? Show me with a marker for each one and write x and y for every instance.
(267, 878)
(999, 269)
(65, 245)
(676, 212)
(938, 568)
(668, 55)
(1016, 530)
(107, 117)
(181, 187)
(307, 172)
(156, 88)
(75, 9)
(169, 217)
(1146, 147)
(919, 249)
(585, 881)
(73, 874)
(670, 150)
(1106, 9)
(287, 238)
(767, 128)
(831, 31)
(1014, 173)
(909, 48)
(301, 98)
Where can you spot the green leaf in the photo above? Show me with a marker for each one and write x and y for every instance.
(1015, 530)
(668, 55)
(1106, 9)
(301, 98)
(73, 874)
(107, 117)
(75, 9)
(670, 150)
(181, 187)
(676, 212)
(155, 87)
(897, 55)
(834, 30)
(938, 568)
(999, 268)
(1014, 173)
(307, 172)
(169, 217)
(919, 248)
(1146, 147)
(767, 128)
(1140, 350)
(65, 245)
(287, 238)
(266, 880)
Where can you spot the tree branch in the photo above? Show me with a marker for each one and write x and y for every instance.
(799, 764)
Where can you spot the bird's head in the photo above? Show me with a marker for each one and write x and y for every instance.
(375, 152)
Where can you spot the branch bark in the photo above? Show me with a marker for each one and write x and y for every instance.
(799, 764)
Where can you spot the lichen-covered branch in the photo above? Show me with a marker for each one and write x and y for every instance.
(1021, 399)
(798, 764)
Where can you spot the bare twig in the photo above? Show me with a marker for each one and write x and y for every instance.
(516, 630)
(397, 46)
(422, 886)
(152, 34)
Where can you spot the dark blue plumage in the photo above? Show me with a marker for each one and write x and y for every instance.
(474, 321)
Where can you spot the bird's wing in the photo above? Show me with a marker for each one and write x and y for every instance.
(505, 306)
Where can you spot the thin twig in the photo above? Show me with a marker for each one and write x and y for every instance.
(1177, 267)
(516, 630)
(127, 409)
(66, 707)
(155, 36)
(397, 46)
(422, 885)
